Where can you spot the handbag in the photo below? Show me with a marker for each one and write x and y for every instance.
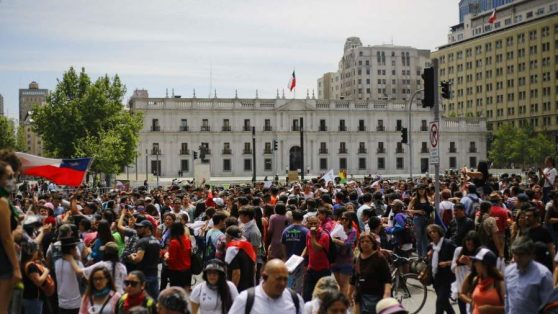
(49, 286)
(425, 276)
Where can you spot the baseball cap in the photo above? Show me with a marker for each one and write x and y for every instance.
(485, 256)
(218, 201)
(145, 223)
(148, 199)
(49, 205)
(390, 306)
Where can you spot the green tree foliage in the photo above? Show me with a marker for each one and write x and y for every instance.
(87, 119)
(21, 143)
(519, 146)
(7, 133)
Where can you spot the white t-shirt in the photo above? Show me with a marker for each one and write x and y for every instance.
(550, 174)
(208, 299)
(263, 303)
(120, 274)
(67, 285)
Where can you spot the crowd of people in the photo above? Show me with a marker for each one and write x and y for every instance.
(303, 247)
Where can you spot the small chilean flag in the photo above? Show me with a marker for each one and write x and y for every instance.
(492, 17)
(68, 172)
(292, 82)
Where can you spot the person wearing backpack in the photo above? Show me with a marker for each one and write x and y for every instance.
(317, 249)
(402, 231)
(271, 294)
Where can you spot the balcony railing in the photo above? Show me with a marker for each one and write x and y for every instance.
(247, 151)
(205, 128)
(472, 149)
(208, 151)
(246, 128)
(362, 128)
(268, 151)
(155, 128)
(362, 150)
(399, 150)
(268, 128)
(380, 128)
(424, 150)
(227, 151)
(423, 128)
(342, 128)
(183, 128)
(342, 150)
(226, 128)
(184, 152)
(156, 151)
(381, 150)
(295, 128)
(453, 150)
(323, 151)
(323, 128)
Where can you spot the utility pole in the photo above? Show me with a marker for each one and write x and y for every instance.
(254, 155)
(410, 128)
(301, 148)
(436, 119)
(157, 167)
(146, 168)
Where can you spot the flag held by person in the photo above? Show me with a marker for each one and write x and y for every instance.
(68, 172)
(492, 17)
(292, 82)
(329, 176)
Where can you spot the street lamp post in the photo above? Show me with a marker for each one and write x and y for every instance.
(410, 134)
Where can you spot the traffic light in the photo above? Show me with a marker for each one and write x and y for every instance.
(275, 145)
(446, 92)
(195, 155)
(404, 136)
(429, 88)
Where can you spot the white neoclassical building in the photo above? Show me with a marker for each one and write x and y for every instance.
(360, 136)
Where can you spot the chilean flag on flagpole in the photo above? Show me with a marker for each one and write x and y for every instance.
(292, 82)
(492, 17)
(68, 172)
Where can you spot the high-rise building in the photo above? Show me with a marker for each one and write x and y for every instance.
(505, 71)
(28, 97)
(1, 105)
(382, 72)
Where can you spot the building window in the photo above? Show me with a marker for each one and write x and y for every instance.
(342, 148)
(155, 150)
(226, 125)
(399, 125)
(205, 125)
(247, 164)
(472, 147)
(323, 148)
(227, 148)
(342, 163)
(155, 125)
(342, 126)
(381, 163)
(453, 162)
(399, 163)
(473, 162)
(423, 125)
(247, 126)
(323, 126)
(247, 149)
(452, 148)
(268, 165)
(424, 165)
(184, 165)
(183, 124)
(184, 149)
(323, 163)
(267, 125)
(380, 126)
(361, 126)
(362, 163)
(226, 165)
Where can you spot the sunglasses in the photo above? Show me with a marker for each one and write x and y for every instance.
(131, 283)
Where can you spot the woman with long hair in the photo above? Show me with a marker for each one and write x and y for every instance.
(345, 239)
(100, 296)
(104, 235)
(218, 293)
(421, 209)
(34, 276)
(10, 272)
(178, 257)
(484, 288)
(462, 263)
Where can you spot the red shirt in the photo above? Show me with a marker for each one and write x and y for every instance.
(179, 254)
(317, 260)
(501, 215)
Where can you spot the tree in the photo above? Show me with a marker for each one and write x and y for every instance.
(7, 133)
(87, 119)
(520, 146)
(21, 144)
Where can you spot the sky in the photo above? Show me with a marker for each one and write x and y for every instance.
(243, 45)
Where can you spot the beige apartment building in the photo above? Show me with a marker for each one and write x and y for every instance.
(505, 71)
(29, 97)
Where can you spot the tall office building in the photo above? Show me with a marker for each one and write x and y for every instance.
(505, 71)
(382, 72)
(28, 97)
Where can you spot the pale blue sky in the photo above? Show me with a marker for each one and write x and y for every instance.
(159, 44)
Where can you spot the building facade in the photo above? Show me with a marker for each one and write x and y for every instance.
(383, 72)
(28, 97)
(363, 137)
(505, 71)
(473, 7)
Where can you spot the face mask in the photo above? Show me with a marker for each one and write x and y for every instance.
(11, 185)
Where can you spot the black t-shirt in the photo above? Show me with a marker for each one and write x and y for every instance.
(373, 275)
(541, 236)
(30, 290)
(247, 270)
(151, 248)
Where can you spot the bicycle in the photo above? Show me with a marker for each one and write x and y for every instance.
(407, 288)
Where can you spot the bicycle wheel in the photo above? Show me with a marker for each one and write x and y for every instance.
(410, 292)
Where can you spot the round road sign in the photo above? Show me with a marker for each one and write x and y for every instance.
(434, 135)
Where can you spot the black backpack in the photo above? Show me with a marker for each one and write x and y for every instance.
(252, 295)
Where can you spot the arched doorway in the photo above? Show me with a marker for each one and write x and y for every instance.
(295, 158)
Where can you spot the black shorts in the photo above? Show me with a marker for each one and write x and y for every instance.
(180, 278)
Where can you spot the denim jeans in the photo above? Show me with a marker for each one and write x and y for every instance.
(152, 286)
(419, 227)
(32, 306)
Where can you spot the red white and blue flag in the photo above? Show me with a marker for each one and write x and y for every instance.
(68, 172)
(492, 17)
(292, 82)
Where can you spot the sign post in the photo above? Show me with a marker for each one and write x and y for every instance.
(434, 143)
(437, 137)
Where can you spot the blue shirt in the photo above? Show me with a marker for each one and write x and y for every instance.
(526, 291)
(294, 239)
